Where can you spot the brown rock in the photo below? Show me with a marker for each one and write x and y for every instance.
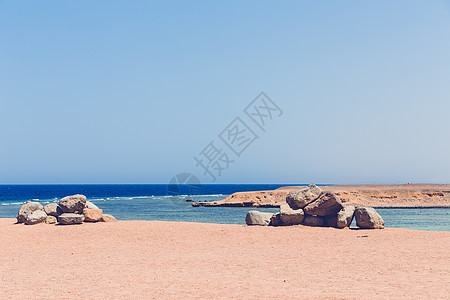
(327, 205)
(70, 219)
(289, 216)
(108, 218)
(92, 214)
(330, 221)
(313, 221)
(275, 220)
(303, 197)
(73, 204)
(53, 209)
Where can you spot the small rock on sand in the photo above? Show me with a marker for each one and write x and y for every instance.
(51, 220)
(368, 218)
(258, 218)
(69, 219)
(108, 218)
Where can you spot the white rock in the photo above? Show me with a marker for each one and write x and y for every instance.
(37, 216)
(258, 218)
(345, 216)
(26, 209)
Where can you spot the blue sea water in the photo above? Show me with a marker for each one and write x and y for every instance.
(168, 203)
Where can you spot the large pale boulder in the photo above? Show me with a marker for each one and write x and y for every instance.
(37, 216)
(69, 219)
(303, 197)
(258, 218)
(52, 209)
(73, 204)
(108, 218)
(289, 216)
(313, 221)
(345, 216)
(92, 214)
(328, 204)
(27, 209)
(368, 218)
(91, 205)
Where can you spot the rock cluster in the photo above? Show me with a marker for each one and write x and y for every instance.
(70, 210)
(313, 207)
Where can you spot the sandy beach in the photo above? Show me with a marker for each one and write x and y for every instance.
(150, 259)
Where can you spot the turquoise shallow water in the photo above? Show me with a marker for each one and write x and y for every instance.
(434, 219)
(170, 208)
(154, 202)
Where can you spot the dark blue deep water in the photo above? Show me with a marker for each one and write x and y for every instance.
(168, 203)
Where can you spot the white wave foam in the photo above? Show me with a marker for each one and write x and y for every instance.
(212, 195)
(12, 203)
(152, 197)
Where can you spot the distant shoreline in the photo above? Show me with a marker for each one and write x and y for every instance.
(379, 196)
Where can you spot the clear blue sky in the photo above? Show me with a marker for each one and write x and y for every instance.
(131, 91)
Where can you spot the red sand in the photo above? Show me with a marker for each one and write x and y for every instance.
(143, 259)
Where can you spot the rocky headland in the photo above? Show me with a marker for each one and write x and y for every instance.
(378, 196)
